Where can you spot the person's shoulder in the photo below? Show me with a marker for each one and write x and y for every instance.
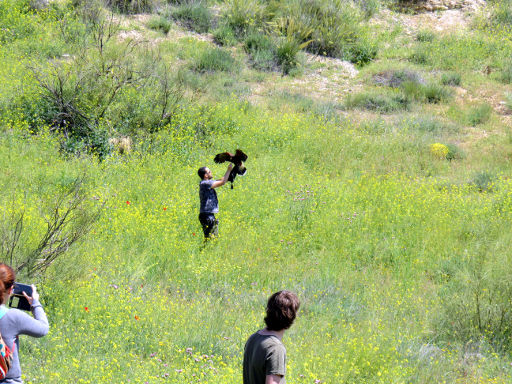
(267, 341)
(14, 314)
(206, 183)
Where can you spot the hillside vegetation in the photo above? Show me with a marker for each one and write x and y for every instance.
(378, 187)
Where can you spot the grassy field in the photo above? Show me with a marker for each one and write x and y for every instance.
(383, 198)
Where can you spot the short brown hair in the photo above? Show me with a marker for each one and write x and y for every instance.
(282, 309)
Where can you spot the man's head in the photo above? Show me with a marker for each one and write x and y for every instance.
(282, 309)
(204, 173)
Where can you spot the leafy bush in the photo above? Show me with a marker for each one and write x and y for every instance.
(446, 151)
(478, 114)
(331, 27)
(425, 36)
(131, 6)
(435, 93)
(255, 41)
(419, 56)
(369, 7)
(413, 90)
(243, 15)
(214, 59)
(501, 14)
(439, 151)
(505, 75)
(83, 100)
(286, 54)
(194, 15)
(159, 23)
(387, 102)
(224, 35)
(451, 78)
(363, 52)
(13, 21)
(508, 100)
(483, 181)
(261, 50)
(427, 125)
(454, 152)
(430, 92)
(476, 301)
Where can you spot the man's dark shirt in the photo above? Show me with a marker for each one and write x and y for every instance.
(208, 197)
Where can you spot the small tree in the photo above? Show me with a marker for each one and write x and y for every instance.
(69, 219)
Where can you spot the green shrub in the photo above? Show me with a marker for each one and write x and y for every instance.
(413, 90)
(501, 14)
(224, 35)
(14, 23)
(214, 59)
(159, 23)
(243, 15)
(478, 114)
(264, 60)
(419, 56)
(483, 181)
(427, 125)
(362, 52)
(425, 36)
(476, 301)
(435, 93)
(454, 152)
(439, 151)
(194, 15)
(286, 54)
(387, 102)
(131, 6)
(451, 78)
(430, 92)
(255, 41)
(369, 7)
(336, 29)
(330, 27)
(261, 50)
(508, 100)
(505, 75)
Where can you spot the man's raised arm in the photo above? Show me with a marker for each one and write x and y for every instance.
(221, 182)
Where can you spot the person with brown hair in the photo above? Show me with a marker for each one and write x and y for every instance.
(264, 353)
(14, 322)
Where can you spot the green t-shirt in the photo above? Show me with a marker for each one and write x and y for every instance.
(264, 355)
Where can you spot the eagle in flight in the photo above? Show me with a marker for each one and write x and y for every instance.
(237, 159)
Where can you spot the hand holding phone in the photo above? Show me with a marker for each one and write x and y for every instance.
(35, 295)
(23, 296)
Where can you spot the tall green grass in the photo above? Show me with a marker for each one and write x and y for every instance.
(398, 254)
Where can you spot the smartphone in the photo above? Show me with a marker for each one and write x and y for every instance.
(17, 299)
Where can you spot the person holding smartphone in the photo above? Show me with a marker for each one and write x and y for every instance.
(14, 322)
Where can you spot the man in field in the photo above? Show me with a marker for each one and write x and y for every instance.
(265, 354)
(208, 198)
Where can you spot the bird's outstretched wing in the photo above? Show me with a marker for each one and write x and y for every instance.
(222, 157)
(239, 157)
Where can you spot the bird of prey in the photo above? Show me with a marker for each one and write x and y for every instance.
(237, 159)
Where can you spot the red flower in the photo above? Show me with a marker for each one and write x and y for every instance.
(86, 309)
(137, 317)
(193, 233)
(165, 208)
(127, 202)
